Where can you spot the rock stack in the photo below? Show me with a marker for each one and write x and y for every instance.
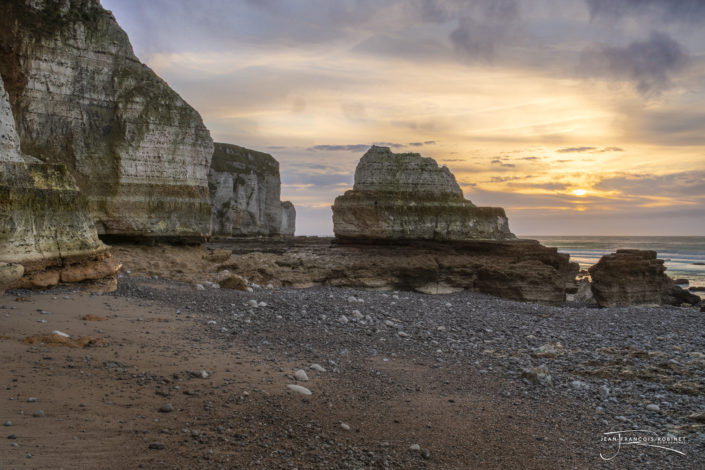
(409, 197)
(245, 189)
(635, 277)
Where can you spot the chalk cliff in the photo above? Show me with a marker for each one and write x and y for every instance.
(81, 98)
(44, 220)
(245, 189)
(409, 197)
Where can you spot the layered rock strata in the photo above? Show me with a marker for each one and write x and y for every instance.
(520, 269)
(409, 197)
(635, 277)
(138, 152)
(44, 219)
(245, 189)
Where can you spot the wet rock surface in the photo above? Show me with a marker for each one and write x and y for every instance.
(520, 269)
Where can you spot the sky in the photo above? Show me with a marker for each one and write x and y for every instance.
(579, 117)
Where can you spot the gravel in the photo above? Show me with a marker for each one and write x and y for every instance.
(618, 362)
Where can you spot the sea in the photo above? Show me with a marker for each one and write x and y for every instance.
(684, 257)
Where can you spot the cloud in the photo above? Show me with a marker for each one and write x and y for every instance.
(680, 184)
(499, 162)
(609, 149)
(649, 65)
(490, 25)
(340, 148)
(575, 150)
(668, 10)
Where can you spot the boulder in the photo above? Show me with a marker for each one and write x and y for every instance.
(245, 188)
(408, 197)
(632, 277)
(137, 151)
(9, 275)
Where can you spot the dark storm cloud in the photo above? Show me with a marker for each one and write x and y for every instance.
(648, 64)
(489, 25)
(669, 10)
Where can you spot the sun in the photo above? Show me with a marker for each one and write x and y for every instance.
(579, 192)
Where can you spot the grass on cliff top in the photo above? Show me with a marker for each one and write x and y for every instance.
(229, 157)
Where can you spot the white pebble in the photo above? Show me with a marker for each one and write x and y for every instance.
(653, 407)
(200, 287)
(318, 368)
(343, 319)
(403, 335)
(299, 389)
(345, 426)
(60, 333)
(414, 447)
(253, 303)
(300, 375)
(263, 304)
(357, 315)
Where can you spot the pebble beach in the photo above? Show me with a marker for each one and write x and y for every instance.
(344, 378)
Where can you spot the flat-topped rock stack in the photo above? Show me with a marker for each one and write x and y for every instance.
(408, 197)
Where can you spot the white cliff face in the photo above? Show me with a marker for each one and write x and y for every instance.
(408, 197)
(137, 150)
(245, 190)
(9, 140)
(44, 219)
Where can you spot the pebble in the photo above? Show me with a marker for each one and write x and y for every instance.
(343, 319)
(317, 368)
(12, 436)
(157, 445)
(357, 315)
(8, 423)
(203, 374)
(262, 304)
(426, 454)
(414, 447)
(300, 375)
(345, 426)
(166, 408)
(31, 399)
(200, 287)
(253, 303)
(653, 407)
(60, 333)
(39, 414)
(299, 389)
(403, 334)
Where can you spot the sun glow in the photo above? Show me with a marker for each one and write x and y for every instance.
(579, 192)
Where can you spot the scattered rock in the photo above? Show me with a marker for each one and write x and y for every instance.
(653, 407)
(253, 303)
(39, 414)
(166, 408)
(317, 368)
(345, 426)
(415, 447)
(538, 375)
(301, 375)
(299, 389)
(234, 282)
(157, 445)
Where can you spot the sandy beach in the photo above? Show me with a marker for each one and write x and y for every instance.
(161, 375)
